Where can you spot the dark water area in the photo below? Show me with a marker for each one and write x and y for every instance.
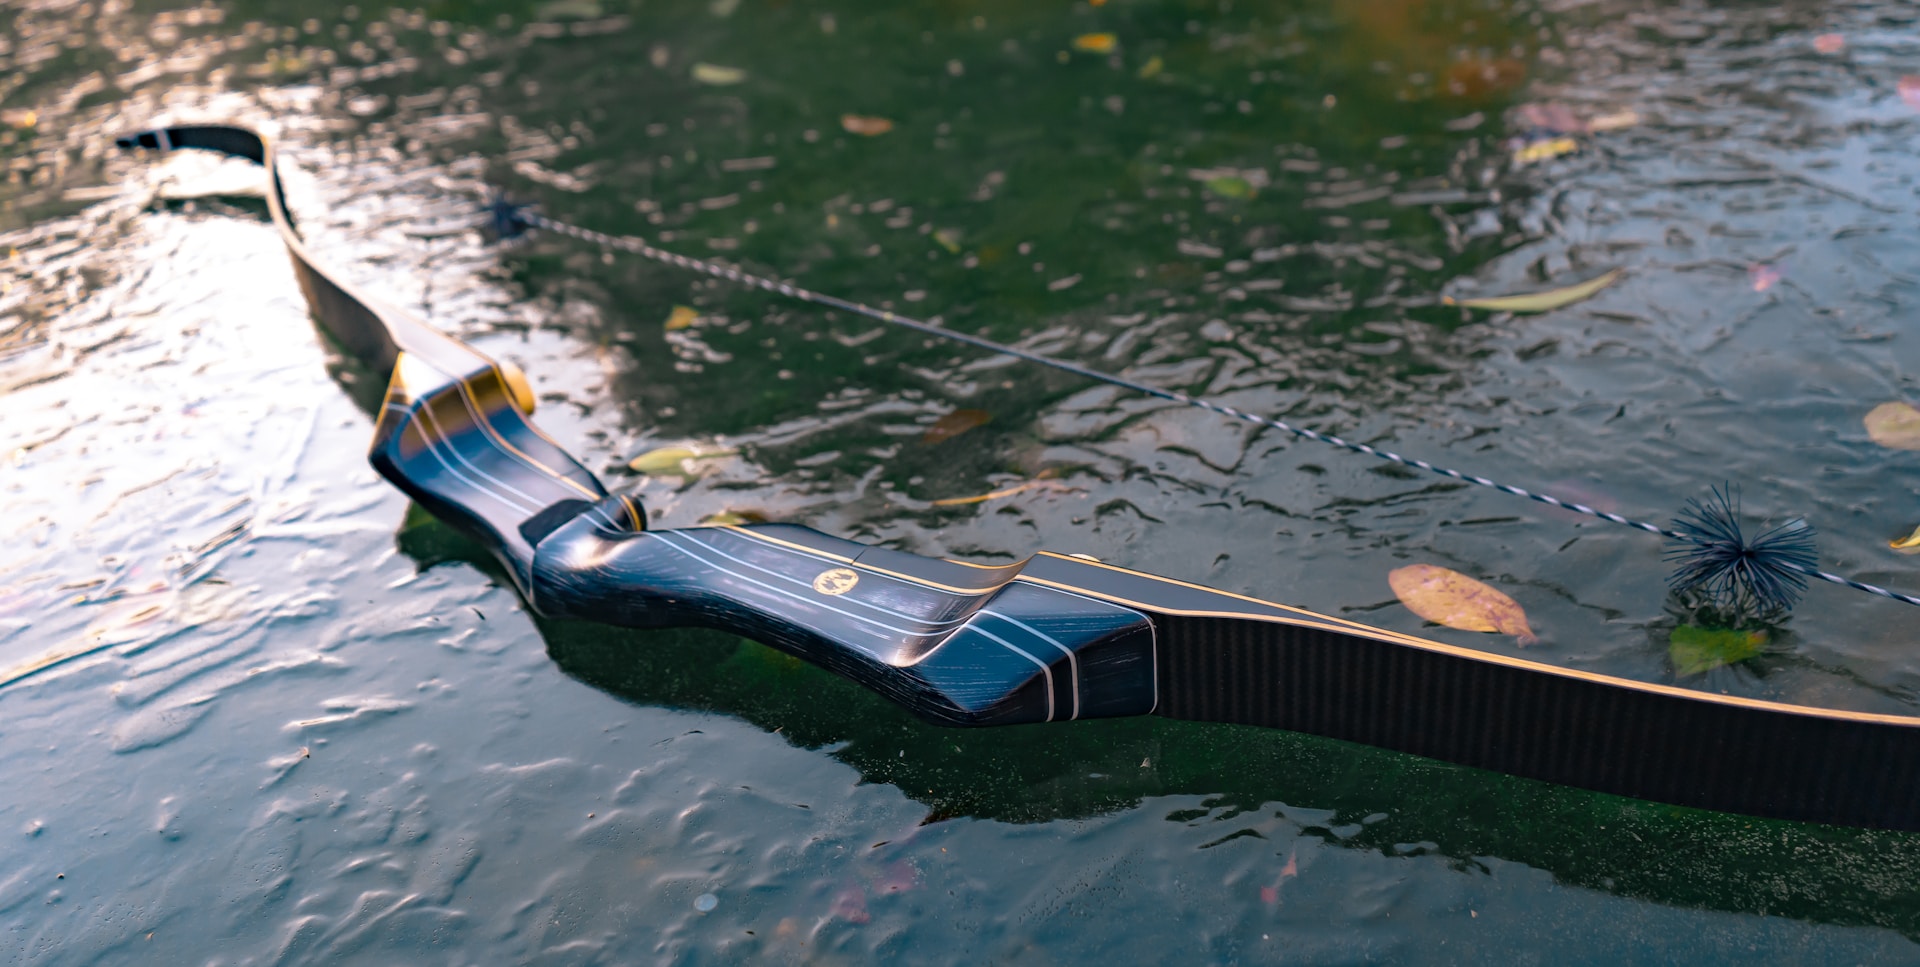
(256, 709)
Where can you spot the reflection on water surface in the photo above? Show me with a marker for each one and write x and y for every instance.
(255, 709)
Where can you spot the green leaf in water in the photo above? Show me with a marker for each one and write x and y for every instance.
(1695, 650)
(949, 239)
(717, 75)
(1540, 301)
(1230, 186)
(672, 461)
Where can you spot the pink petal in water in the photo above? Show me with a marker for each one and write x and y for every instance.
(851, 905)
(1830, 43)
(1763, 276)
(1270, 894)
(1552, 116)
(1909, 89)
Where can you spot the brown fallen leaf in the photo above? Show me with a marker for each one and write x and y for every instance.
(1457, 601)
(865, 126)
(955, 423)
(1895, 426)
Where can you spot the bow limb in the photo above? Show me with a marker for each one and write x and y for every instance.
(454, 430)
(1054, 637)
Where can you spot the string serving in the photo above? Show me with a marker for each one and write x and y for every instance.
(1715, 552)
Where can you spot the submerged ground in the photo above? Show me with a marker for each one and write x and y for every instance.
(255, 709)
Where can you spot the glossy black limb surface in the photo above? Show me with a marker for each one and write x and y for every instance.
(956, 644)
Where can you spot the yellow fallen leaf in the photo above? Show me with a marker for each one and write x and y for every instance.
(953, 424)
(865, 126)
(671, 461)
(949, 239)
(1457, 601)
(1895, 426)
(1539, 301)
(1096, 43)
(717, 75)
(1018, 488)
(681, 317)
(1153, 66)
(1543, 150)
(1909, 544)
(20, 117)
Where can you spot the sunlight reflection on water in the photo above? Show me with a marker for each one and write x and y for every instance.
(251, 707)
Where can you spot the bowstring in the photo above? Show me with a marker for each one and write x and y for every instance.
(640, 247)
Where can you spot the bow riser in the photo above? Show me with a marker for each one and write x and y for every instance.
(991, 650)
(461, 447)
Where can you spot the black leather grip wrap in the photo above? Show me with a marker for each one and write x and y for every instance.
(1689, 749)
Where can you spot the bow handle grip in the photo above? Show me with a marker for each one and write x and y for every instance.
(957, 644)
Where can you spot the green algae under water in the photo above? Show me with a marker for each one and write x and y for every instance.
(255, 709)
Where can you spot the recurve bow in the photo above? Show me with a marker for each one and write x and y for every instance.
(1055, 637)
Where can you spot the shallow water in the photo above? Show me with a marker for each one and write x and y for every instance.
(255, 709)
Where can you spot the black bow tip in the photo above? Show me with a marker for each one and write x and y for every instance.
(1761, 578)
